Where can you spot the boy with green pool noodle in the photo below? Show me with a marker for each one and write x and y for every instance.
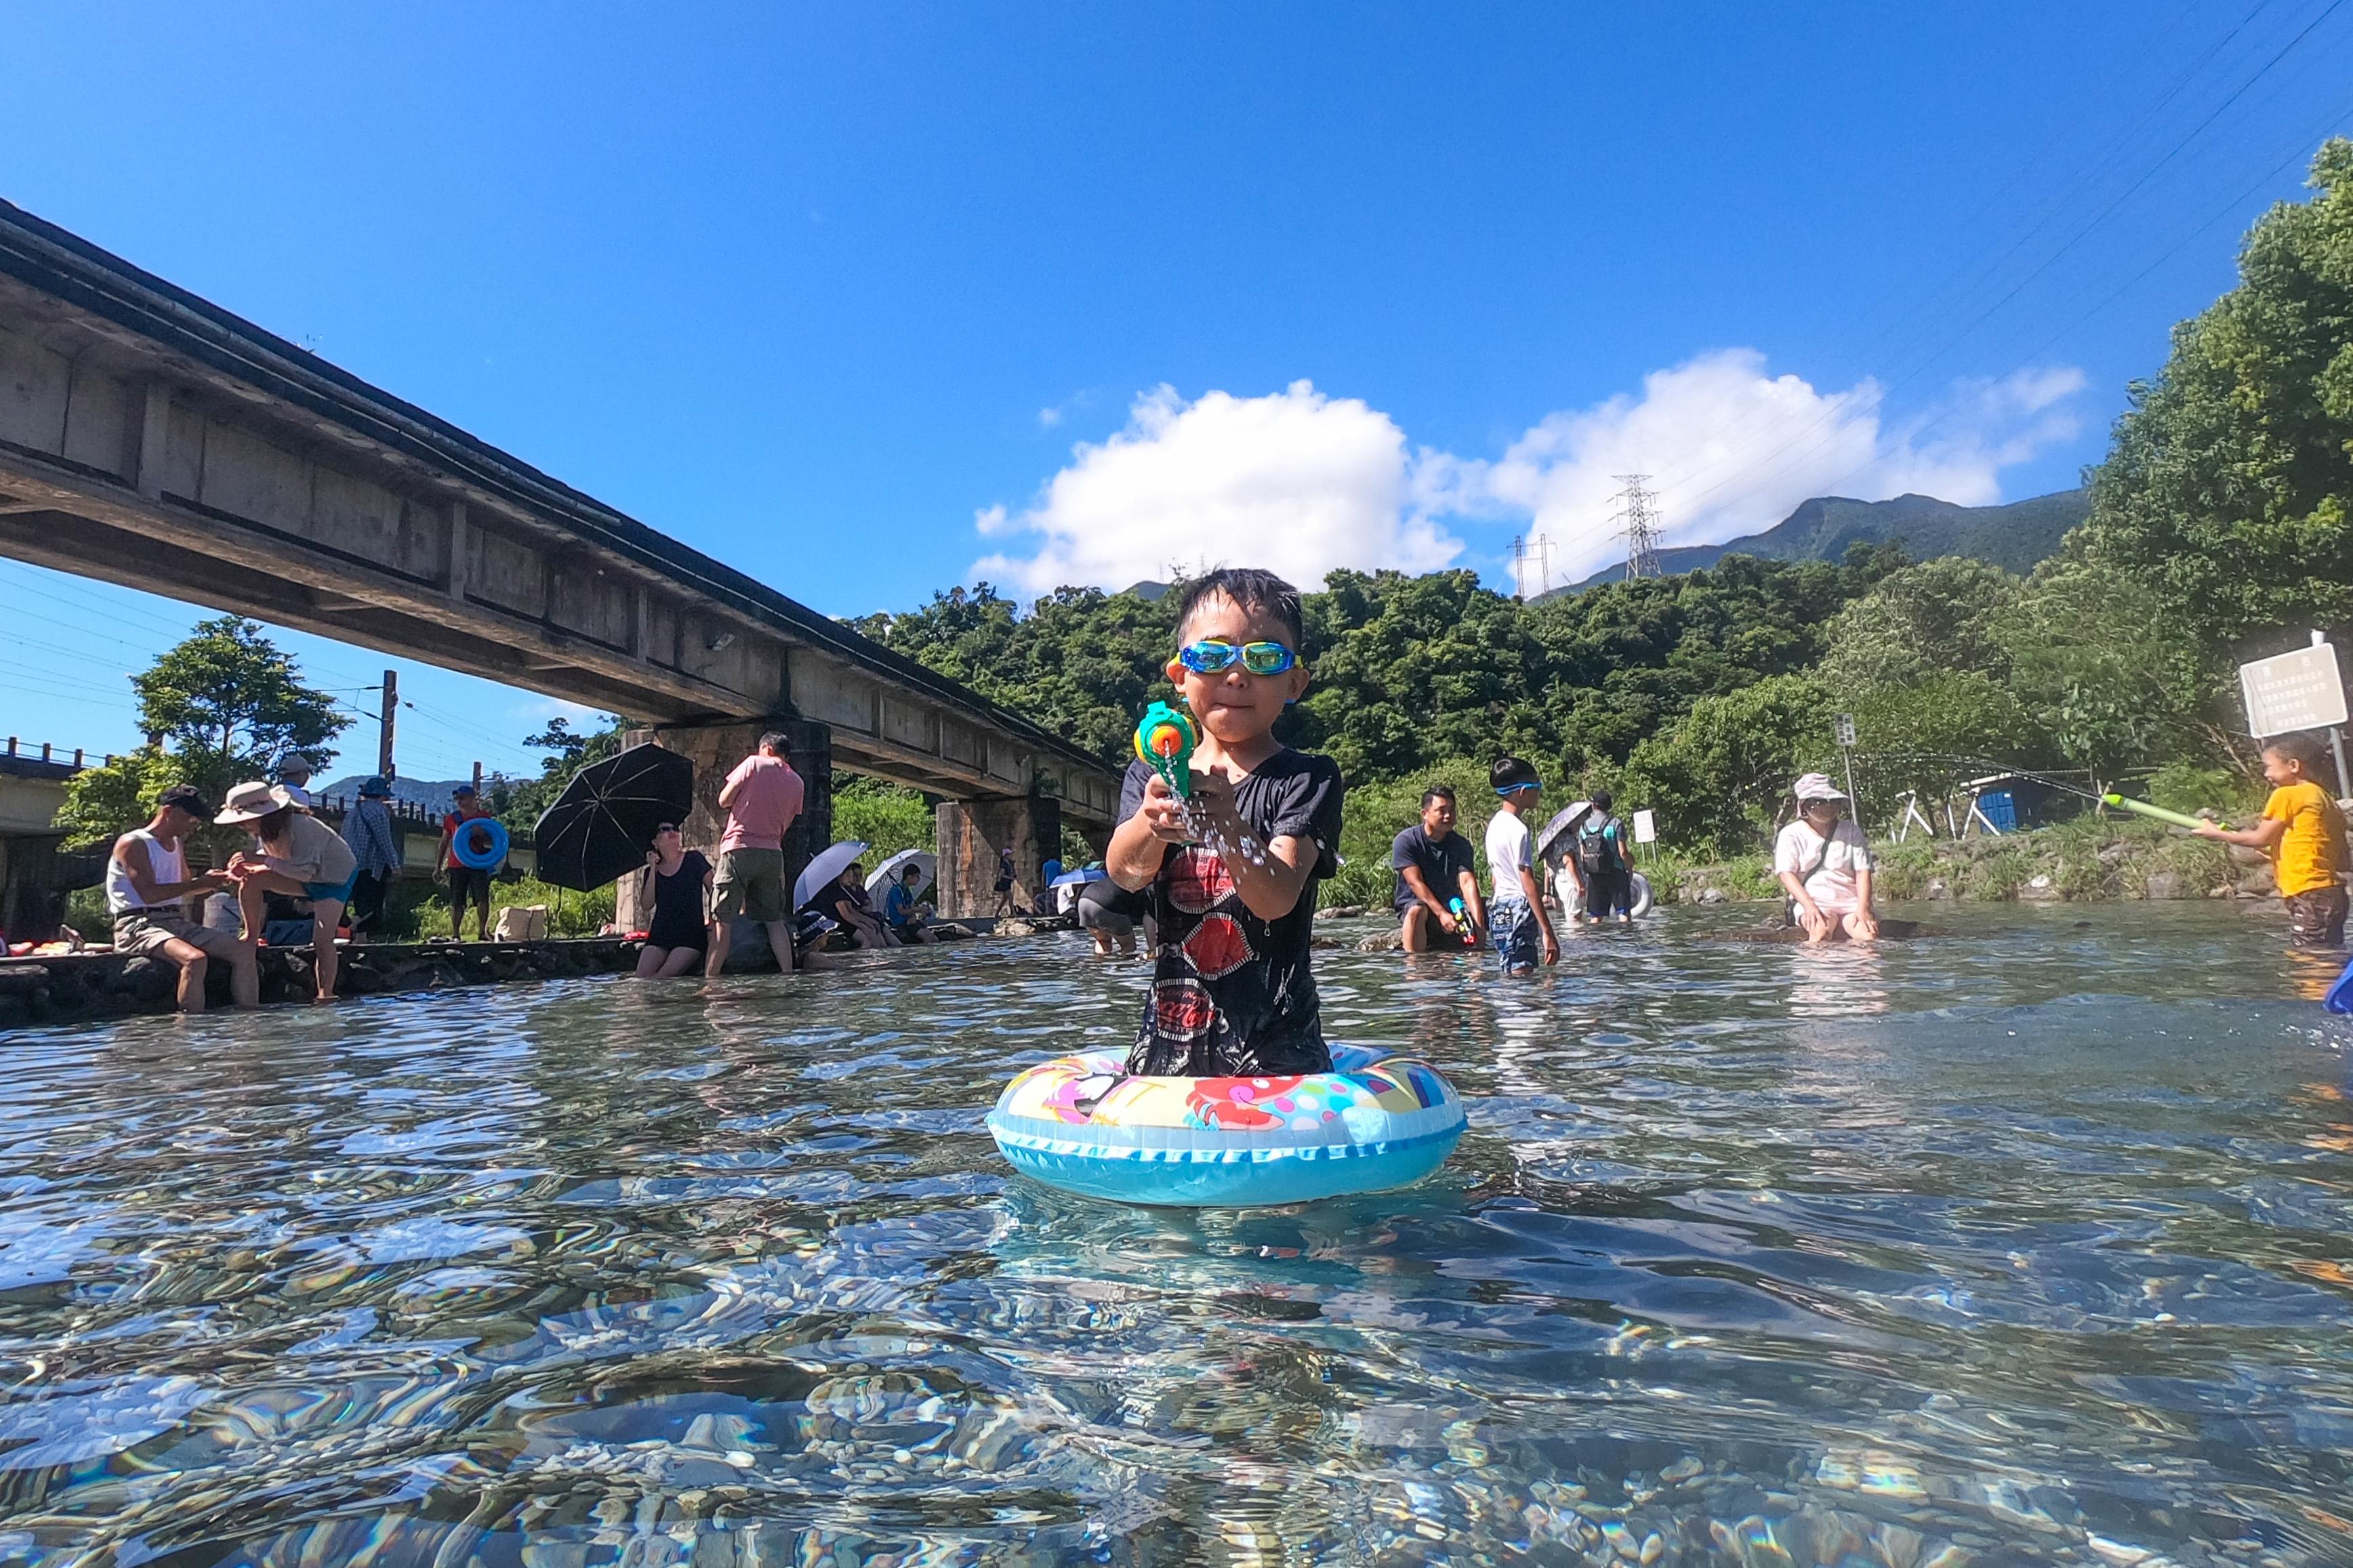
(1231, 871)
(2302, 832)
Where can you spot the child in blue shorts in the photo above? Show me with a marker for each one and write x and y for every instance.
(1516, 921)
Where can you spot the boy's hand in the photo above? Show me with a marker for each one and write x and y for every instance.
(1213, 792)
(2209, 830)
(1551, 947)
(1162, 812)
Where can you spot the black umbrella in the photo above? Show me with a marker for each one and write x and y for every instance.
(602, 825)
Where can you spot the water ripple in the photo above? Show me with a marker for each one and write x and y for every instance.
(2026, 1247)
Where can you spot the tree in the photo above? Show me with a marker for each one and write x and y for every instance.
(233, 704)
(2229, 489)
(1934, 733)
(2102, 667)
(1716, 779)
(1927, 620)
(517, 803)
(103, 802)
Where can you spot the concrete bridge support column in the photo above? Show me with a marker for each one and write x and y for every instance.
(714, 750)
(969, 836)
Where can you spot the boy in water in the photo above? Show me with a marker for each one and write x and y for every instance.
(1232, 993)
(2304, 833)
(1516, 921)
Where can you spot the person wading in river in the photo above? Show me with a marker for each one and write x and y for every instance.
(760, 798)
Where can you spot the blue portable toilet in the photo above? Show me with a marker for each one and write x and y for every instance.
(2001, 808)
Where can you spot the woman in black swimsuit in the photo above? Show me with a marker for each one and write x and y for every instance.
(681, 877)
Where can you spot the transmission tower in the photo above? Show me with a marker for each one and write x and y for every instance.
(1638, 519)
(1522, 550)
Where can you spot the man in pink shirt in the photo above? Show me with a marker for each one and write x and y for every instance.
(760, 798)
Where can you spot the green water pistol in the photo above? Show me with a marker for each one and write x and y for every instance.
(2159, 813)
(1164, 739)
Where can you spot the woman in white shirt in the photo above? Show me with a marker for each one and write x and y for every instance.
(1824, 862)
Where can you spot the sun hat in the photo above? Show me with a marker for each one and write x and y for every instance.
(376, 787)
(251, 800)
(1818, 786)
(294, 762)
(188, 798)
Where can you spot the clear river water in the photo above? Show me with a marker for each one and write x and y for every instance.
(2029, 1244)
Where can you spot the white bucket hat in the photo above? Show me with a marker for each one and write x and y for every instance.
(1812, 786)
(251, 800)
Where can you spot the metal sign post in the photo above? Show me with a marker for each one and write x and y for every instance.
(1844, 725)
(2300, 690)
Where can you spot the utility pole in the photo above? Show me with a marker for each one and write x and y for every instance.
(1519, 568)
(1544, 563)
(390, 692)
(478, 778)
(1638, 515)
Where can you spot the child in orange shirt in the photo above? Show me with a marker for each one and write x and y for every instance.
(2304, 833)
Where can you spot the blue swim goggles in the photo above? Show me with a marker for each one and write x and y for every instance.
(1212, 654)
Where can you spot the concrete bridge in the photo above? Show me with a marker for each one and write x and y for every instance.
(152, 439)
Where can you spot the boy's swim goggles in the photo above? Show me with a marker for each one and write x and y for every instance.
(1208, 656)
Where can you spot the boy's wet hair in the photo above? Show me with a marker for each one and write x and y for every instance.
(774, 741)
(1436, 792)
(1509, 773)
(2297, 747)
(1603, 800)
(1259, 592)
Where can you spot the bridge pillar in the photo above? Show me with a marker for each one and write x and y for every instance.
(714, 750)
(968, 834)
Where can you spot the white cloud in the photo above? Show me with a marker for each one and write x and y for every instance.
(1731, 450)
(1294, 481)
(1302, 482)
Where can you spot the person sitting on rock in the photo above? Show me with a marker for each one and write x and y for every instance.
(147, 886)
(1824, 863)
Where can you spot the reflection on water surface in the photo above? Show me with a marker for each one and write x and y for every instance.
(2026, 1247)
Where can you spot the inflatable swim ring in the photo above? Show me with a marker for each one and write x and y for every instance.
(1638, 897)
(1083, 1124)
(472, 831)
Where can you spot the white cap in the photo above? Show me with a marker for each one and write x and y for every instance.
(1818, 786)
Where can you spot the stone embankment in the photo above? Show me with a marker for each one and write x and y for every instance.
(81, 988)
(75, 988)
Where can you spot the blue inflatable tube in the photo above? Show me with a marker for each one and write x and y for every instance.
(1083, 1124)
(472, 830)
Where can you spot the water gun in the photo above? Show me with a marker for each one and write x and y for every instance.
(2159, 813)
(1164, 739)
(1462, 920)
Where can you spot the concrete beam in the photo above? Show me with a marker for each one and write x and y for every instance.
(151, 439)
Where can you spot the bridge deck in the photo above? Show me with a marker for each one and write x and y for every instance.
(151, 438)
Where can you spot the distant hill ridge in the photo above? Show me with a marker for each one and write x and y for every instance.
(2014, 537)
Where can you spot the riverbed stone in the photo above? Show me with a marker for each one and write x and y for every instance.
(2167, 885)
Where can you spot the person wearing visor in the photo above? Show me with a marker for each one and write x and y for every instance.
(1231, 873)
(1824, 864)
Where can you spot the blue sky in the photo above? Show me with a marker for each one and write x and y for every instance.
(857, 298)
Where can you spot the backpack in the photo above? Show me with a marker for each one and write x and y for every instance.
(1597, 851)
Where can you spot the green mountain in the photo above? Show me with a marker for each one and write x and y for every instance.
(2013, 537)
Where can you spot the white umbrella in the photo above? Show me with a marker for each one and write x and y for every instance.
(824, 867)
(1564, 822)
(886, 873)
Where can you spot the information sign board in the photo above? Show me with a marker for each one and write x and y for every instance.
(1845, 727)
(2299, 690)
(1646, 828)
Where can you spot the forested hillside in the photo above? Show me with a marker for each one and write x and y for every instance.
(2220, 528)
(2017, 537)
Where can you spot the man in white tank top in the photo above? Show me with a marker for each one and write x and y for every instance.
(147, 882)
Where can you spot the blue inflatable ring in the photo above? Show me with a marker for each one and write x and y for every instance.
(1083, 1124)
(462, 843)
